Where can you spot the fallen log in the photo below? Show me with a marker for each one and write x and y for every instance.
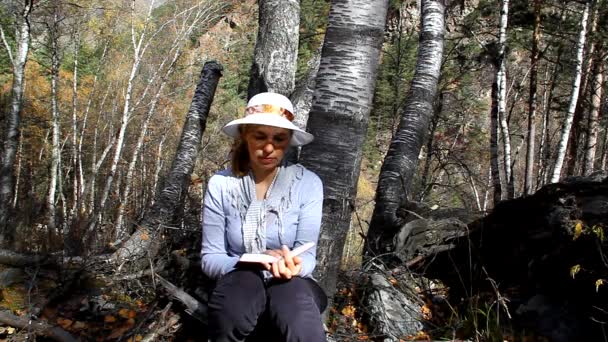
(193, 307)
(36, 327)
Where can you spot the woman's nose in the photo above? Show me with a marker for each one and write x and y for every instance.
(268, 148)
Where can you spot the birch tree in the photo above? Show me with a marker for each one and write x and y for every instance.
(145, 241)
(53, 30)
(18, 59)
(139, 48)
(338, 119)
(593, 119)
(276, 49)
(185, 29)
(532, 101)
(501, 96)
(567, 126)
(401, 161)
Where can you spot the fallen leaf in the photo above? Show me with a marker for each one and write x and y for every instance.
(427, 314)
(349, 311)
(574, 270)
(64, 322)
(124, 313)
(144, 236)
(79, 325)
(118, 332)
(578, 230)
(109, 319)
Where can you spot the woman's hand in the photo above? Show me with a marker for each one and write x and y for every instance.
(287, 266)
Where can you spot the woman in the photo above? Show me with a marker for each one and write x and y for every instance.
(263, 205)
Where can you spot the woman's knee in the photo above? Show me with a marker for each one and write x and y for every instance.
(235, 304)
(294, 311)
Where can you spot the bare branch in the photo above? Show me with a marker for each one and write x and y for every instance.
(8, 48)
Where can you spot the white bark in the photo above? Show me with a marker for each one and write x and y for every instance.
(339, 117)
(18, 171)
(532, 102)
(80, 205)
(76, 185)
(593, 120)
(126, 113)
(157, 167)
(276, 49)
(55, 124)
(501, 78)
(189, 23)
(11, 131)
(565, 132)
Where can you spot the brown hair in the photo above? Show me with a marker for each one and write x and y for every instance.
(240, 155)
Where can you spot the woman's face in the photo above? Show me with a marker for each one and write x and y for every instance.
(266, 146)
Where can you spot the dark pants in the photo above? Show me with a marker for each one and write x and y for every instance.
(243, 306)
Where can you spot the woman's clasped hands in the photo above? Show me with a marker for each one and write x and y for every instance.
(287, 266)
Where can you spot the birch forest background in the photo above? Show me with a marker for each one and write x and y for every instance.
(486, 111)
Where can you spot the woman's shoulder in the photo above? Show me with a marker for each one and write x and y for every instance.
(221, 179)
(307, 177)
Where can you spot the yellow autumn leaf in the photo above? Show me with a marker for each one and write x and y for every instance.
(578, 230)
(427, 314)
(574, 270)
(598, 283)
(64, 322)
(599, 232)
(348, 310)
(124, 313)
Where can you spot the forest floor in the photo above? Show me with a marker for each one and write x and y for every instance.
(92, 309)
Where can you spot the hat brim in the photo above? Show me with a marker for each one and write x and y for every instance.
(298, 138)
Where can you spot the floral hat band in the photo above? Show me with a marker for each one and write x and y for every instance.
(269, 109)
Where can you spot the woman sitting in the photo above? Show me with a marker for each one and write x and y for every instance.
(263, 205)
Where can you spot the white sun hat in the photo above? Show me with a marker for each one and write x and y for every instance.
(270, 109)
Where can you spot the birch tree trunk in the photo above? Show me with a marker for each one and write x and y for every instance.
(55, 148)
(593, 120)
(494, 151)
(338, 119)
(575, 154)
(501, 100)
(146, 240)
(565, 132)
(80, 205)
(530, 154)
(76, 185)
(185, 30)
(138, 51)
(18, 172)
(276, 49)
(12, 118)
(401, 161)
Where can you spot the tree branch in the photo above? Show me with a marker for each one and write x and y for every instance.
(40, 327)
(8, 48)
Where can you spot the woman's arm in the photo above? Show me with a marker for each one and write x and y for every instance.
(215, 259)
(309, 221)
